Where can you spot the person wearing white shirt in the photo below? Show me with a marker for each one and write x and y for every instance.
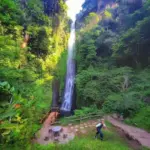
(99, 126)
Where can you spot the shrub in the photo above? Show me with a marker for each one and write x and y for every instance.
(141, 119)
(125, 104)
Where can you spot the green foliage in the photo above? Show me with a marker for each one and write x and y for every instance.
(95, 85)
(120, 39)
(28, 70)
(6, 88)
(10, 12)
(107, 14)
(125, 104)
(134, 43)
(41, 42)
(86, 48)
(141, 119)
(91, 20)
(35, 11)
(140, 14)
(103, 49)
(86, 110)
(61, 69)
(63, 7)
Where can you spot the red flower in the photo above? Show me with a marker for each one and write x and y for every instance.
(17, 106)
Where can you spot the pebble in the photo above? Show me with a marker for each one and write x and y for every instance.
(76, 130)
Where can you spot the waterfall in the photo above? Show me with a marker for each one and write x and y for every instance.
(70, 76)
(74, 7)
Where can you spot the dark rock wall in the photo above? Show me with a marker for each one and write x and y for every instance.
(51, 7)
(55, 96)
(88, 6)
(100, 5)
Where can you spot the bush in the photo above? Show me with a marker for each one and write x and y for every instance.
(85, 110)
(141, 119)
(125, 104)
(95, 85)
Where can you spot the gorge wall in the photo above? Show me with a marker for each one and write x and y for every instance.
(100, 5)
(51, 6)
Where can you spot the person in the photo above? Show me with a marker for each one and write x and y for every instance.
(99, 126)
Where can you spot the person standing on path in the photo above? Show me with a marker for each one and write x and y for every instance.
(99, 126)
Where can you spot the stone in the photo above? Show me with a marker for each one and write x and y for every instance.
(61, 130)
(56, 139)
(83, 131)
(115, 116)
(76, 130)
(50, 130)
(51, 7)
(65, 136)
(81, 127)
(46, 138)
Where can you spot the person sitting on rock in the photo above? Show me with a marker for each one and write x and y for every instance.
(99, 126)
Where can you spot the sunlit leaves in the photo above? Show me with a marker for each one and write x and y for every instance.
(107, 14)
(29, 70)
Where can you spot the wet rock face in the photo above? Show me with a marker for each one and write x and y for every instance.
(96, 5)
(55, 97)
(88, 6)
(93, 6)
(132, 5)
(101, 4)
(51, 7)
(119, 7)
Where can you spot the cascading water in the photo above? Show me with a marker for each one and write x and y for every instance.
(74, 7)
(69, 87)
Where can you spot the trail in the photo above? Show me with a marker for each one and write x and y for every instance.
(44, 137)
(137, 134)
(135, 137)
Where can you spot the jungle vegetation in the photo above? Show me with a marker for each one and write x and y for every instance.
(32, 44)
(112, 56)
(113, 61)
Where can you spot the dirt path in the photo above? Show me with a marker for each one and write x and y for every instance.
(44, 137)
(139, 135)
(133, 136)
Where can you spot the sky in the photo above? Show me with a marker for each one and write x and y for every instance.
(74, 7)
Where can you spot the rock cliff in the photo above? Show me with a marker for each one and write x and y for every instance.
(51, 6)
